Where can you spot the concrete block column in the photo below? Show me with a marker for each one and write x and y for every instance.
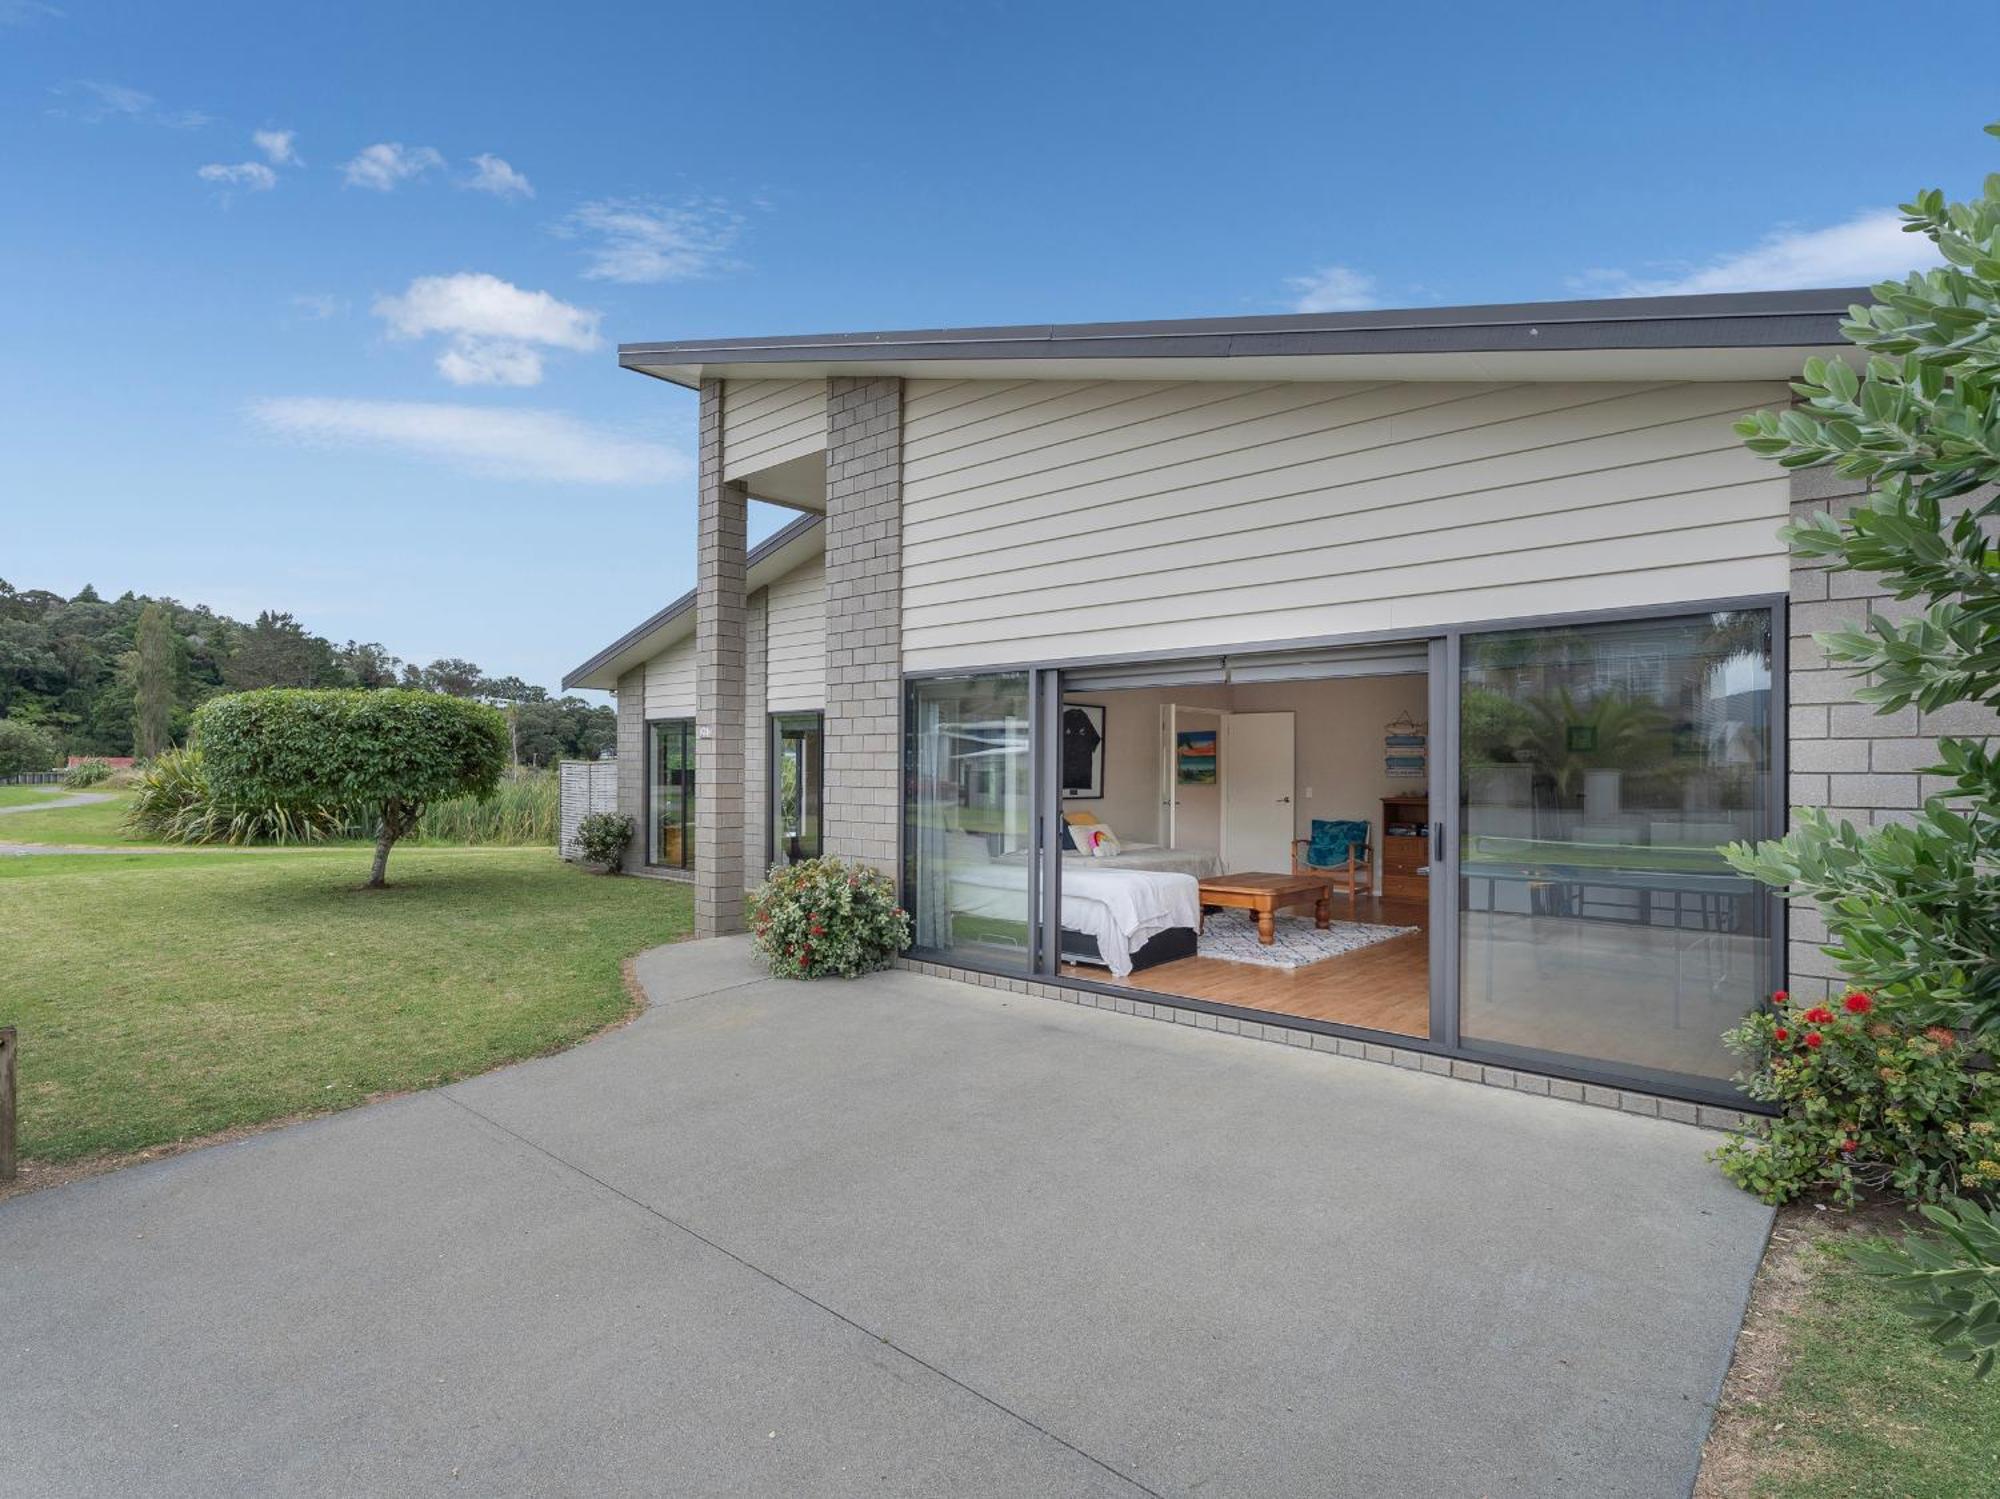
(632, 761)
(719, 652)
(756, 739)
(864, 619)
(1864, 767)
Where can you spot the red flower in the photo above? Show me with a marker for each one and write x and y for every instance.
(1944, 1038)
(1820, 1015)
(1814, 1039)
(1780, 998)
(1782, 1034)
(1858, 1004)
(1847, 1147)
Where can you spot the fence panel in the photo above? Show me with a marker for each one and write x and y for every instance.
(587, 786)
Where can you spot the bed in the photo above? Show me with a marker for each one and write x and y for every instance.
(1146, 857)
(1123, 918)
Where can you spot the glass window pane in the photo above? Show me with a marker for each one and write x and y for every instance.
(670, 796)
(1601, 768)
(969, 818)
(795, 787)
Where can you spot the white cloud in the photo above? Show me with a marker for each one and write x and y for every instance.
(493, 443)
(1332, 288)
(1868, 247)
(645, 242)
(94, 103)
(496, 177)
(252, 176)
(280, 147)
(318, 306)
(384, 165)
(493, 326)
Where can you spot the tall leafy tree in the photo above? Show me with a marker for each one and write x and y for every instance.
(153, 674)
(278, 651)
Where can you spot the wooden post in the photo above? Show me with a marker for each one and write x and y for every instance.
(8, 1166)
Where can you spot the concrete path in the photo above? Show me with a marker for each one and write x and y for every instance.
(898, 1236)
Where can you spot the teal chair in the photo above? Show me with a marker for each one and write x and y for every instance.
(1338, 853)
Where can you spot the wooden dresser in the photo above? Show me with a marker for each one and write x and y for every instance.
(1405, 854)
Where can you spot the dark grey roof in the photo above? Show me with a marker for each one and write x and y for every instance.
(1732, 320)
(784, 535)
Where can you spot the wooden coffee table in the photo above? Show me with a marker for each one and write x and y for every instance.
(1265, 894)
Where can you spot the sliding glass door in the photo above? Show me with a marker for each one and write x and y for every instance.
(795, 787)
(670, 794)
(968, 818)
(1601, 767)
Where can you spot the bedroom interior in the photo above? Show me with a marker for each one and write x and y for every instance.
(1257, 844)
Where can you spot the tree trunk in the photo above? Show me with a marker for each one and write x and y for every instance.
(379, 876)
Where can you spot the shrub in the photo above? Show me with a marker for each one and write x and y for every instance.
(176, 804)
(602, 837)
(392, 752)
(1867, 1102)
(86, 773)
(1951, 1281)
(824, 916)
(24, 747)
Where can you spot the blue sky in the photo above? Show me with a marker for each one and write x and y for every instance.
(315, 308)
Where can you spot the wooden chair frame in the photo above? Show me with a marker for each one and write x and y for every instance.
(1356, 875)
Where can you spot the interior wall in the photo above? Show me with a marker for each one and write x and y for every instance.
(1339, 752)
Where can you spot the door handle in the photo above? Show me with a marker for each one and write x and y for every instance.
(1284, 801)
(1437, 841)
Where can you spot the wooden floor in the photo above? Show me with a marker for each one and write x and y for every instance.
(1385, 987)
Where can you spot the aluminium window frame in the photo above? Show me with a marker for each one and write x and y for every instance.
(650, 777)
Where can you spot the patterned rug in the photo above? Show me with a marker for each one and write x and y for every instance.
(1232, 936)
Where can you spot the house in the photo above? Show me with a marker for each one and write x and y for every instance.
(1392, 675)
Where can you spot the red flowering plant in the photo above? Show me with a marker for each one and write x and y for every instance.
(826, 917)
(1865, 1101)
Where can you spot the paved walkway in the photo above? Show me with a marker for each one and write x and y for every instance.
(899, 1236)
(71, 799)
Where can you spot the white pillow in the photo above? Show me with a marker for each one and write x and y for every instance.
(1103, 842)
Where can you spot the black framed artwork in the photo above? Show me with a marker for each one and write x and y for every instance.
(1082, 750)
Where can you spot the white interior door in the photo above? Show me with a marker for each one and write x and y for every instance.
(1258, 777)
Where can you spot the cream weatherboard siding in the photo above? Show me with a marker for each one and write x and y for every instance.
(1050, 520)
(797, 640)
(670, 682)
(767, 422)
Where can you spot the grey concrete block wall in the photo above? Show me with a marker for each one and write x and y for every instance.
(864, 619)
(1862, 766)
(632, 760)
(722, 515)
(756, 738)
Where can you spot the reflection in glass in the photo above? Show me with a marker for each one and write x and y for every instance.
(670, 794)
(968, 817)
(1602, 766)
(795, 787)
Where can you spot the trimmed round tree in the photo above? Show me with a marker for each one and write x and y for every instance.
(389, 753)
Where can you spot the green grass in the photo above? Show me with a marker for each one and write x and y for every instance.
(27, 796)
(92, 823)
(161, 997)
(1865, 1407)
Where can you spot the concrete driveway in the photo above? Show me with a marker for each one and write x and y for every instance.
(900, 1236)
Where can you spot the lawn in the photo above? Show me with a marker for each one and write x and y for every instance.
(93, 822)
(161, 997)
(1863, 1407)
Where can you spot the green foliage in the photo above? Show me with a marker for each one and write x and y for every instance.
(522, 811)
(175, 803)
(153, 679)
(23, 748)
(1867, 1102)
(602, 838)
(824, 916)
(1950, 1280)
(1913, 912)
(392, 752)
(85, 774)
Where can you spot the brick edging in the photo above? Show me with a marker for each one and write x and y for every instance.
(1624, 1100)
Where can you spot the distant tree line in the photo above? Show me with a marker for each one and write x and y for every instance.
(124, 676)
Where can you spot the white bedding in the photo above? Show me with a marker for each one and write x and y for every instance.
(1121, 908)
(1201, 863)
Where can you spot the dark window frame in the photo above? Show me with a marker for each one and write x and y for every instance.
(652, 781)
(774, 736)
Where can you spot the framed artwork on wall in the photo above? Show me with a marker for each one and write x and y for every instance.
(1082, 750)
(1195, 761)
